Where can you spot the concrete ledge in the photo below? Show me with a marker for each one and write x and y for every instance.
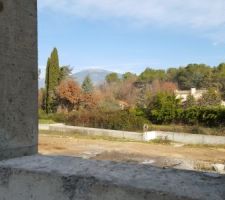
(66, 178)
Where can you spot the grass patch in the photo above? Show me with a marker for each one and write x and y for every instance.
(84, 136)
(161, 141)
(219, 146)
(46, 121)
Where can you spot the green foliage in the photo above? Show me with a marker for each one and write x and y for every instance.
(211, 98)
(129, 75)
(171, 74)
(52, 117)
(87, 85)
(47, 89)
(64, 73)
(191, 76)
(190, 101)
(205, 116)
(190, 115)
(150, 75)
(54, 70)
(42, 98)
(52, 80)
(219, 78)
(138, 111)
(42, 115)
(120, 120)
(164, 108)
(112, 78)
(194, 76)
(212, 116)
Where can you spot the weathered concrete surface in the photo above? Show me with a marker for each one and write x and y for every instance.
(18, 78)
(66, 178)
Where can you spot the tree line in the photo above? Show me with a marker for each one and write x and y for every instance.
(129, 101)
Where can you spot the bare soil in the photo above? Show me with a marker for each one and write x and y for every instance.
(173, 155)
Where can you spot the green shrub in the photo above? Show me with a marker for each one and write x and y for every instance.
(189, 116)
(43, 115)
(164, 108)
(60, 117)
(120, 120)
(207, 116)
(212, 116)
(53, 117)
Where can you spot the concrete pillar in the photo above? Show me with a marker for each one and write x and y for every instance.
(18, 78)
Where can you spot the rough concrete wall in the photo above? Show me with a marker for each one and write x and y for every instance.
(18, 78)
(67, 178)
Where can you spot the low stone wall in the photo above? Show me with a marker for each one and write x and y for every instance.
(66, 178)
(185, 138)
(93, 131)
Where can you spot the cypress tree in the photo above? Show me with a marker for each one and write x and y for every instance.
(52, 80)
(54, 70)
(47, 99)
(87, 85)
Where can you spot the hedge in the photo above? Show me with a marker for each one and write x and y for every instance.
(206, 116)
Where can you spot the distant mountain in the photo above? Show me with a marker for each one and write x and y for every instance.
(97, 75)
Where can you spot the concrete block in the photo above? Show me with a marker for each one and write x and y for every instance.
(148, 136)
(220, 168)
(66, 178)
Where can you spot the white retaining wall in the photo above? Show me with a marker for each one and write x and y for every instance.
(93, 131)
(185, 138)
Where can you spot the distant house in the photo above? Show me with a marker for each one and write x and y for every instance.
(223, 103)
(123, 105)
(183, 94)
(197, 94)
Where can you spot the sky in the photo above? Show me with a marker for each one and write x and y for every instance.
(130, 35)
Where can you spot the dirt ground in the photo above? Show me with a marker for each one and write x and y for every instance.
(173, 155)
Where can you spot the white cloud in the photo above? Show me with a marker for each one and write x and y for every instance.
(193, 14)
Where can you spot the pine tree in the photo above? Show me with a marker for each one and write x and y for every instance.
(87, 85)
(65, 73)
(52, 80)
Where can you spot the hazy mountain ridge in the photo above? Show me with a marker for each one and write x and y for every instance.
(97, 75)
